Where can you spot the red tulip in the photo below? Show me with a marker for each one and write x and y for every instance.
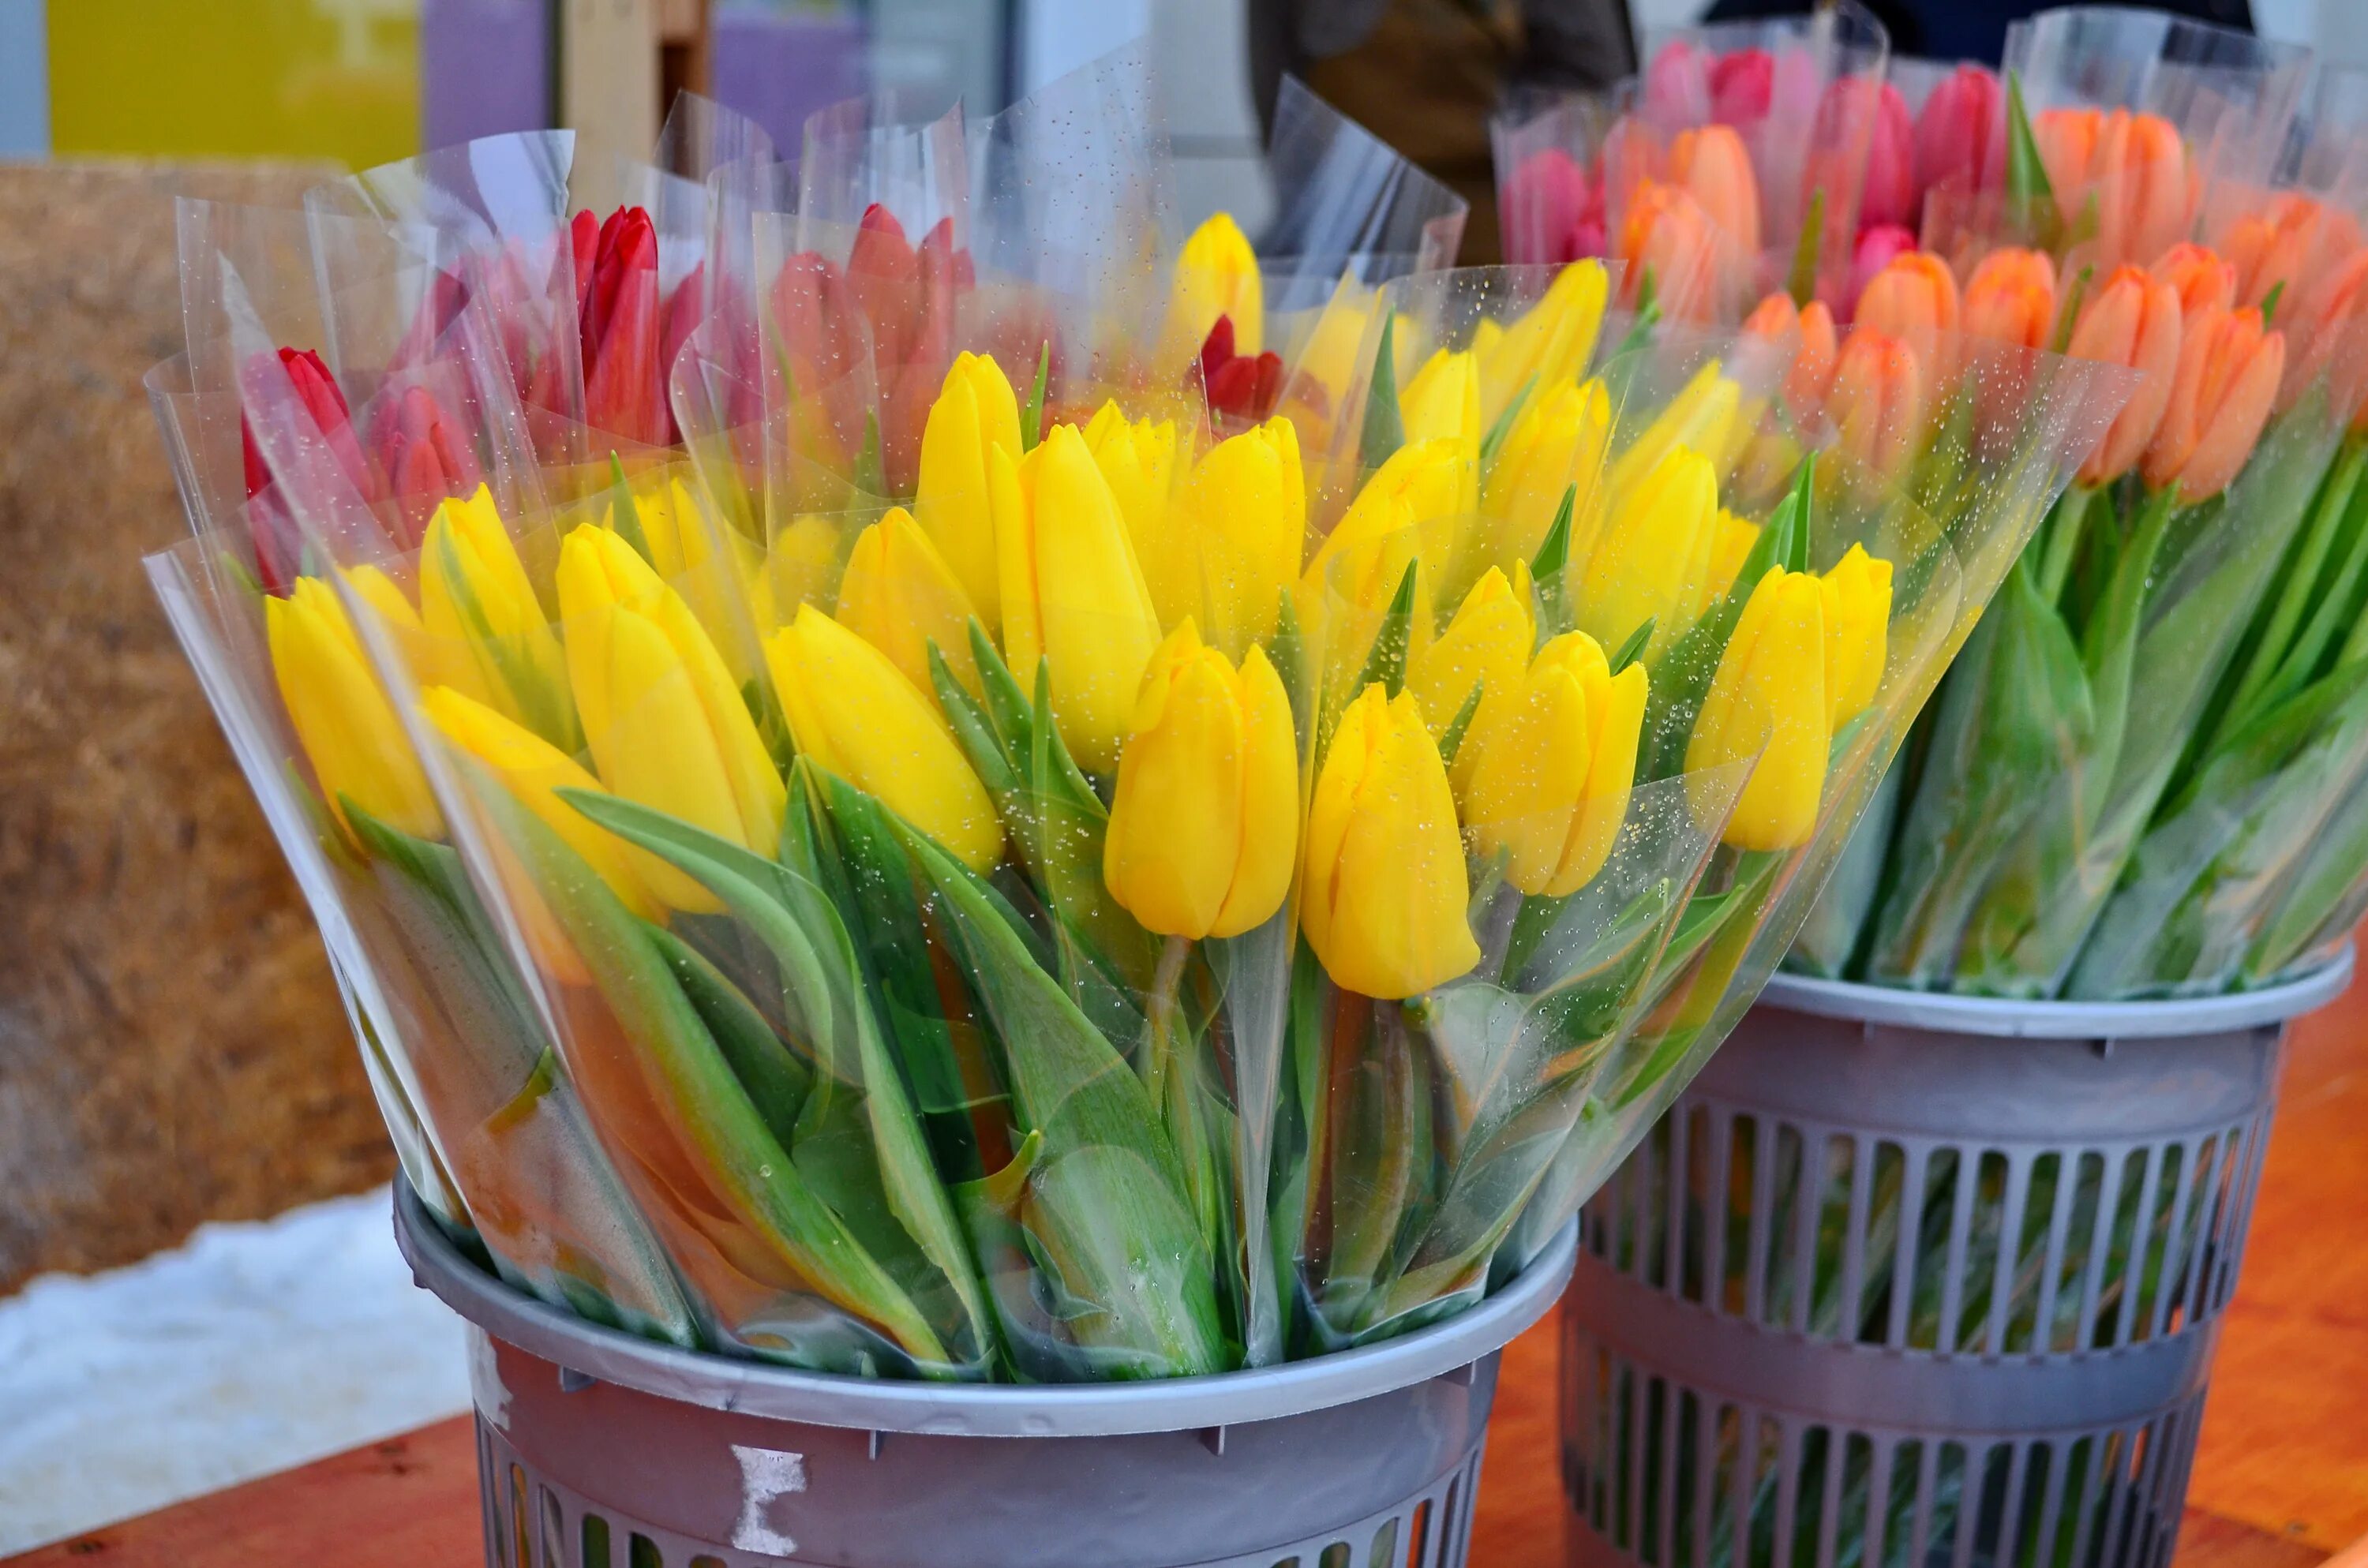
(423, 458)
(907, 294)
(1858, 112)
(1742, 84)
(618, 323)
(279, 543)
(813, 351)
(1244, 387)
(1961, 134)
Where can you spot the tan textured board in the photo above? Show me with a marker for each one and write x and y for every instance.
(171, 1047)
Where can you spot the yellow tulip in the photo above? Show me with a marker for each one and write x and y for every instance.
(1858, 625)
(480, 609)
(801, 565)
(1548, 345)
(1217, 274)
(1703, 416)
(975, 415)
(1072, 591)
(1767, 707)
(534, 771)
(900, 595)
(1653, 558)
(1551, 767)
(341, 715)
(1556, 442)
(1203, 830)
(1486, 645)
(1383, 897)
(666, 722)
(685, 540)
(396, 613)
(1138, 459)
(1729, 549)
(1421, 499)
(1443, 400)
(853, 712)
(1229, 547)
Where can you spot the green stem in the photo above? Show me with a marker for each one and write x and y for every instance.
(1163, 1019)
(2059, 541)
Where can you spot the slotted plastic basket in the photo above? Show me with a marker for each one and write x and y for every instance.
(1919, 1280)
(597, 1449)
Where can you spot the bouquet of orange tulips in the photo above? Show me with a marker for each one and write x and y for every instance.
(1176, 861)
(2142, 779)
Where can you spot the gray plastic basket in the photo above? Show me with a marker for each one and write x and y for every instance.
(1764, 1366)
(596, 1449)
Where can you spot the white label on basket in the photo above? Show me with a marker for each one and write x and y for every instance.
(485, 1375)
(766, 1476)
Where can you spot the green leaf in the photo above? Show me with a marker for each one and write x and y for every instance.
(1385, 663)
(1031, 422)
(1107, 1200)
(624, 512)
(1628, 653)
(1451, 740)
(2031, 200)
(777, 1082)
(1383, 431)
(1494, 441)
(2074, 298)
(1804, 282)
(1647, 317)
(2270, 304)
(823, 984)
(1554, 552)
(871, 473)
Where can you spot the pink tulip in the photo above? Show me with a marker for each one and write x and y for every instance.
(1545, 209)
(1961, 134)
(1742, 84)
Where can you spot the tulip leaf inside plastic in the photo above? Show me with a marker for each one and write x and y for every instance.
(1383, 431)
(2030, 198)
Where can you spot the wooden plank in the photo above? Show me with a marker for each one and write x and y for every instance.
(409, 1501)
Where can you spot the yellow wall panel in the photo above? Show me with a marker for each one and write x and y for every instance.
(241, 78)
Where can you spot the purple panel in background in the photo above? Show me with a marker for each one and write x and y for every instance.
(778, 67)
(484, 69)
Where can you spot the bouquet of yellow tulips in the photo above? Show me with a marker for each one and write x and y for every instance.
(1187, 868)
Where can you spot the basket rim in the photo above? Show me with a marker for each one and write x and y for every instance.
(2013, 1018)
(981, 1410)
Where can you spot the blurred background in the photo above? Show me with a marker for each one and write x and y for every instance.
(173, 1051)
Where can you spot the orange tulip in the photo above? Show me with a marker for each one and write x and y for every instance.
(1913, 298)
(2134, 320)
(2012, 298)
(2328, 320)
(2201, 279)
(2229, 368)
(1878, 401)
(1665, 233)
(1712, 165)
(2291, 238)
(1806, 333)
(2134, 167)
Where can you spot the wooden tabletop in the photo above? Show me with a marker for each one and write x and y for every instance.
(2281, 1479)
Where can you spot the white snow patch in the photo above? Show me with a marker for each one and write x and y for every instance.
(251, 1348)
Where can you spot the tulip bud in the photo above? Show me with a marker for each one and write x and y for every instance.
(974, 415)
(1961, 134)
(534, 771)
(1229, 547)
(1858, 630)
(266, 381)
(1204, 825)
(479, 609)
(1547, 345)
(1551, 766)
(1703, 416)
(1712, 163)
(425, 461)
(1742, 86)
(1876, 249)
(1860, 112)
(1544, 209)
(2133, 167)
(1878, 402)
(664, 720)
(1416, 502)
(2134, 320)
(1767, 706)
(1072, 591)
(2274, 246)
(1728, 551)
(1217, 274)
(1654, 560)
(341, 715)
(1486, 645)
(2012, 298)
(2228, 373)
(1804, 335)
(2202, 280)
(1914, 299)
(1558, 441)
(854, 714)
(1383, 894)
(900, 595)
(1665, 233)
(1442, 400)
(624, 384)
(1138, 459)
